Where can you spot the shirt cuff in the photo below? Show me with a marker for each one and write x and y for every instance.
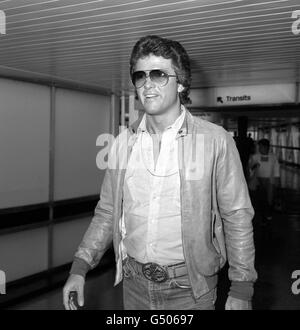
(79, 267)
(242, 290)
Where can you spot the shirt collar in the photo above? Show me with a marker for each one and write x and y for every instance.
(175, 126)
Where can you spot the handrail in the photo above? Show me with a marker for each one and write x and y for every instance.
(284, 147)
(20, 218)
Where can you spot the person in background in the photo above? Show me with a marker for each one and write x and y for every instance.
(264, 177)
(180, 208)
(246, 147)
(252, 147)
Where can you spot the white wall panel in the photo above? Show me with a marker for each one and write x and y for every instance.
(24, 253)
(24, 143)
(80, 118)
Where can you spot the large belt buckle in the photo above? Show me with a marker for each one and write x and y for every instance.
(154, 272)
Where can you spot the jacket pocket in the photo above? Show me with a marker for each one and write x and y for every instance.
(217, 236)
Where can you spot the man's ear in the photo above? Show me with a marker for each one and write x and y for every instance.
(180, 88)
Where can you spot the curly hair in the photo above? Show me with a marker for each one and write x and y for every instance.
(168, 49)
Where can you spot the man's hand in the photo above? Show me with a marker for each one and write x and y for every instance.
(237, 304)
(74, 283)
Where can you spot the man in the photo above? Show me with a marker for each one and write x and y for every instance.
(245, 144)
(165, 207)
(264, 178)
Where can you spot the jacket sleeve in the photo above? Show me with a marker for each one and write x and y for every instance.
(236, 212)
(98, 236)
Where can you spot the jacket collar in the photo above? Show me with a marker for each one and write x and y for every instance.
(134, 127)
(185, 128)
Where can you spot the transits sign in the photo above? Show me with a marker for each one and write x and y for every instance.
(243, 95)
(256, 94)
(223, 100)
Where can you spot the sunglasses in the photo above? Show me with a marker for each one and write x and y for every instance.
(159, 77)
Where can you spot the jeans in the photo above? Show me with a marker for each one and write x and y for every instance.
(140, 293)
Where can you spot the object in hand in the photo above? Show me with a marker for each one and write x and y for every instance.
(73, 298)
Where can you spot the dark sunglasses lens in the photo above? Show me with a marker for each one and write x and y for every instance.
(159, 77)
(138, 78)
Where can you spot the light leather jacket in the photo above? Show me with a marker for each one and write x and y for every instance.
(215, 206)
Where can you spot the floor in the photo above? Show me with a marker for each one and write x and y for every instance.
(277, 257)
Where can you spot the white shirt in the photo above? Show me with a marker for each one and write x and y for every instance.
(268, 166)
(151, 204)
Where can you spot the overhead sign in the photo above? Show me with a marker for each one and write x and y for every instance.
(202, 97)
(233, 99)
(260, 94)
(243, 95)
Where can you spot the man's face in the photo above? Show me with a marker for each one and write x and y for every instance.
(156, 99)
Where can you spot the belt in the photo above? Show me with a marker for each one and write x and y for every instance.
(157, 273)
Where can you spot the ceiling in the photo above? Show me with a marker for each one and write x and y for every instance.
(89, 42)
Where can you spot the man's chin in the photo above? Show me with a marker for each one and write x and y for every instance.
(152, 111)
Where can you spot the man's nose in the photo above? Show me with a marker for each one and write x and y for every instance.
(148, 82)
